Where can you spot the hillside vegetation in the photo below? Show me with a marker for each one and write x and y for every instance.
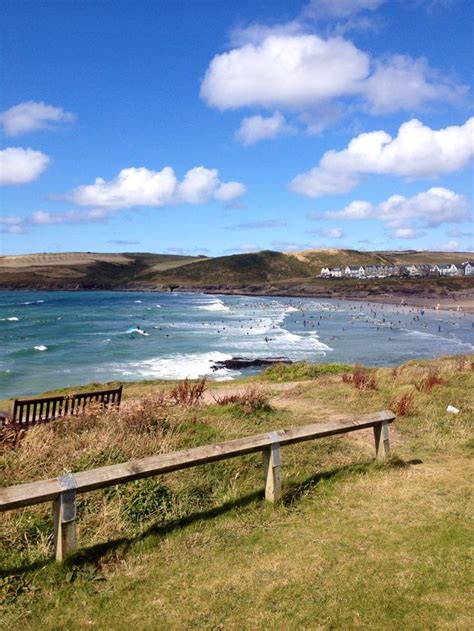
(82, 270)
(352, 544)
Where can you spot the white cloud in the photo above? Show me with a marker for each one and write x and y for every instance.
(416, 83)
(244, 248)
(402, 215)
(450, 246)
(407, 233)
(14, 224)
(20, 166)
(290, 71)
(259, 225)
(340, 8)
(417, 151)
(285, 67)
(333, 233)
(255, 128)
(41, 217)
(32, 116)
(142, 187)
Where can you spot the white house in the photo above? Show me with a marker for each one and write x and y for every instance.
(468, 268)
(325, 272)
(449, 270)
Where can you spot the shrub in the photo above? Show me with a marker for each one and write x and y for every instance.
(430, 379)
(402, 405)
(188, 393)
(361, 378)
(250, 401)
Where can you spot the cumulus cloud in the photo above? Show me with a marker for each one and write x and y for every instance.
(405, 215)
(259, 225)
(287, 68)
(143, 187)
(416, 84)
(255, 128)
(32, 116)
(290, 71)
(20, 166)
(416, 152)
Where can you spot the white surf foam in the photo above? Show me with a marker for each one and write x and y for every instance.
(179, 366)
(214, 305)
(41, 347)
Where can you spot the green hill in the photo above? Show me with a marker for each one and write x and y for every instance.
(258, 270)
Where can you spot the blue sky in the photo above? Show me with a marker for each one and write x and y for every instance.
(220, 127)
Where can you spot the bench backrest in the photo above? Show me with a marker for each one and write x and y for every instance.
(28, 412)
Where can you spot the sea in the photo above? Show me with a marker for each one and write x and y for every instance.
(56, 339)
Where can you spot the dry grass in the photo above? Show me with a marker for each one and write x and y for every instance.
(250, 401)
(352, 545)
(187, 392)
(361, 378)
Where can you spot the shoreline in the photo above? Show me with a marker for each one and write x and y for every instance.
(450, 304)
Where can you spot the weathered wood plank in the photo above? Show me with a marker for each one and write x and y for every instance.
(382, 441)
(272, 471)
(42, 491)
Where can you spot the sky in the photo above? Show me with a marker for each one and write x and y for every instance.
(215, 127)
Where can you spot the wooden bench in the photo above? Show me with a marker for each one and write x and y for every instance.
(29, 412)
(63, 489)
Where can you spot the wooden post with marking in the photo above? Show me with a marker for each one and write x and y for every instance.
(272, 469)
(382, 441)
(64, 509)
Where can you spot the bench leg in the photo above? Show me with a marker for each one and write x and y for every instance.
(64, 512)
(382, 441)
(272, 473)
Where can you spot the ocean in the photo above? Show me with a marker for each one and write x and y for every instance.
(56, 339)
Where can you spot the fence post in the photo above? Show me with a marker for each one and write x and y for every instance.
(272, 469)
(382, 440)
(64, 509)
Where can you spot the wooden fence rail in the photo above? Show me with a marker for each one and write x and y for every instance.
(63, 489)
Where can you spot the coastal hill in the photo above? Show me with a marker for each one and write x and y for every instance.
(266, 272)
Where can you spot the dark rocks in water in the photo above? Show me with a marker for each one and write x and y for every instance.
(236, 363)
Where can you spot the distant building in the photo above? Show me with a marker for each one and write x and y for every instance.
(424, 270)
(450, 270)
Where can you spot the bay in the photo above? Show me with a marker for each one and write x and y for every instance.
(51, 340)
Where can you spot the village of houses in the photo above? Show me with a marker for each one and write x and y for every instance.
(400, 271)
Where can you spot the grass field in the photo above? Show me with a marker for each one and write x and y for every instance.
(353, 543)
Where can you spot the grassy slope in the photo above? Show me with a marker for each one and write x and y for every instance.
(352, 545)
(83, 270)
(261, 269)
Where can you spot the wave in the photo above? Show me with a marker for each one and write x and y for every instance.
(41, 347)
(450, 340)
(10, 319)
(179, 366)
(215, 305)
(139, 331)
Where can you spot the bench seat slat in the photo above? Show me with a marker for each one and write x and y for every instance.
(42, 491)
